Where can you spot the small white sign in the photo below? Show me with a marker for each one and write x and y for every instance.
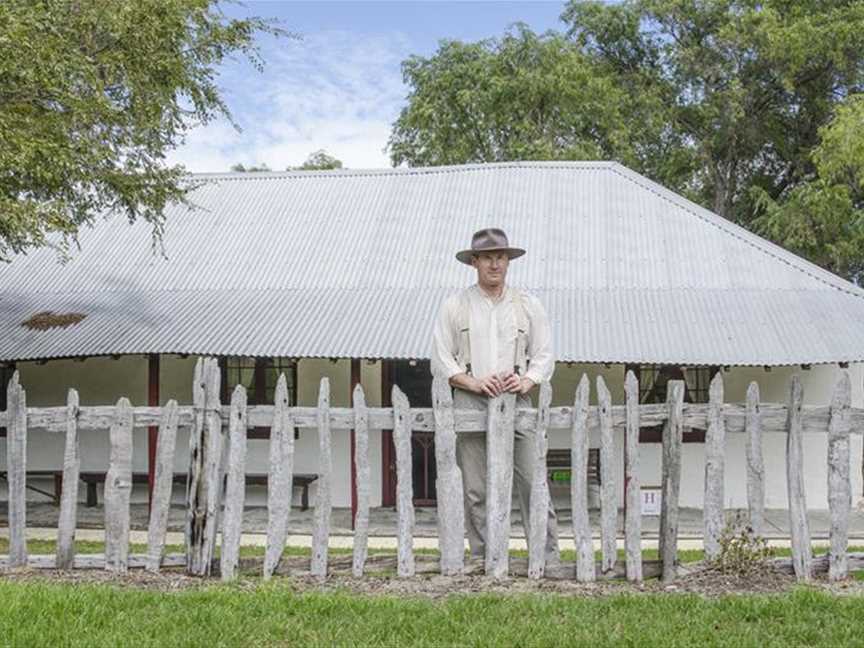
(650, 498)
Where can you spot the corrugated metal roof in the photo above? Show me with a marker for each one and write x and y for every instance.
(355, 264)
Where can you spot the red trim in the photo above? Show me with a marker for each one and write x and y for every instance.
(152, 431)
(355, 380)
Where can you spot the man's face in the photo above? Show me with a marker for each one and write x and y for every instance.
(491, 268)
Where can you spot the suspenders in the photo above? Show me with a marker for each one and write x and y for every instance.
(463, 340)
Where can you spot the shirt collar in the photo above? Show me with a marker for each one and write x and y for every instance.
(505, 294)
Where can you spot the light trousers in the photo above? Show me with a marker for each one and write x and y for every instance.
(471, 459)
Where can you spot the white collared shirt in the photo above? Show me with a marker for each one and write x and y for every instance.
(492, 333)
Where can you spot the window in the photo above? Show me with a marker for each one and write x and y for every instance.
(6, 371)
(259, 376)
(652, 389)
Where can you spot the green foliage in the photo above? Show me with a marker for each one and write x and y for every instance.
(522, 97)
(747, 85)
(823, 218)
(92, 96)
(320, 160)
(252, 168)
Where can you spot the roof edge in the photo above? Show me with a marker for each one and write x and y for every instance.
(764, 245)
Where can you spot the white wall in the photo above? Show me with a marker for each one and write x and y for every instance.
(818, 383)
(101, 381)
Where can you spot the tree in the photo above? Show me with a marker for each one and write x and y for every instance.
(823, 218)
(528, 96)
(320, 160)
(252, 168)
(92, 96)
(748, 85)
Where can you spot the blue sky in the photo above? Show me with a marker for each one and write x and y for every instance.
(339, 87)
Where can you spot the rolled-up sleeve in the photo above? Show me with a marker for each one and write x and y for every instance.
(541, 364)
(443, 362)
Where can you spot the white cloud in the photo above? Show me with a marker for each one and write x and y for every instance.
(335, 90)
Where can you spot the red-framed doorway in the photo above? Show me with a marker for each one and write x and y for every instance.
(416, 381)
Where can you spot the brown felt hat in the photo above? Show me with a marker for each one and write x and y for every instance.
(490, 239)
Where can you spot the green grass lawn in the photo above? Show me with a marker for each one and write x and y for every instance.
(40, 614)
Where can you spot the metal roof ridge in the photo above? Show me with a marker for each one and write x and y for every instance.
(428, 170)
(733, 229)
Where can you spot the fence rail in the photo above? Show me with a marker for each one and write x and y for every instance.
(218, 448)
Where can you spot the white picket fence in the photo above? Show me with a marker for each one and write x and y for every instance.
(218, 447)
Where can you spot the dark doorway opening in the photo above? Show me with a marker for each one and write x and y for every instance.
(414, 378)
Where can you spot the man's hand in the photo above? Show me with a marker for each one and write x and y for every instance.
(491, 385)
(513, 384)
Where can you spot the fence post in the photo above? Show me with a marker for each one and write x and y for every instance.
(500, 432)
(206, 443)
(755, 466)
(118, 489)
(539, 500)
(69, 493)
(280, 478)
(715, 447)
(799, 528)
(235, 486)
(404, 486)
(162, 485)
(585, 567)
(16, 470)
(839, 487)
(361, 469)
(448, 486)
(608, 505)
(632, 486)
(323, 503)
(672, 437)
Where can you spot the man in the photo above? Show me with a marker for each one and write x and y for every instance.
(490, 339)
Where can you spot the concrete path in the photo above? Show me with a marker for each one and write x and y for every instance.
(42, 523)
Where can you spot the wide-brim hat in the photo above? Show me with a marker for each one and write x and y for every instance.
(490, 239)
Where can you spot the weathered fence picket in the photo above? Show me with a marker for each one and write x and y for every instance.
(280, 478)
(235, 486)
(755, 465)
(839, 486)
(205, 471)
(499, 483)
(585, 567)
(799, 529)
(608, 502)
(404, 485)
(361, 468)
(714, 518)
(218, 442)
(672, 438)
(160, 504)
(632, 500)
(448, 485)
(16, 470)
(539, 515)
(323, 502)
(68, 519)
(118, 490)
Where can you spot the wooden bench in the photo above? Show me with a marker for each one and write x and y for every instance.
(559, 468)
(58, 482)
(92, 479)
